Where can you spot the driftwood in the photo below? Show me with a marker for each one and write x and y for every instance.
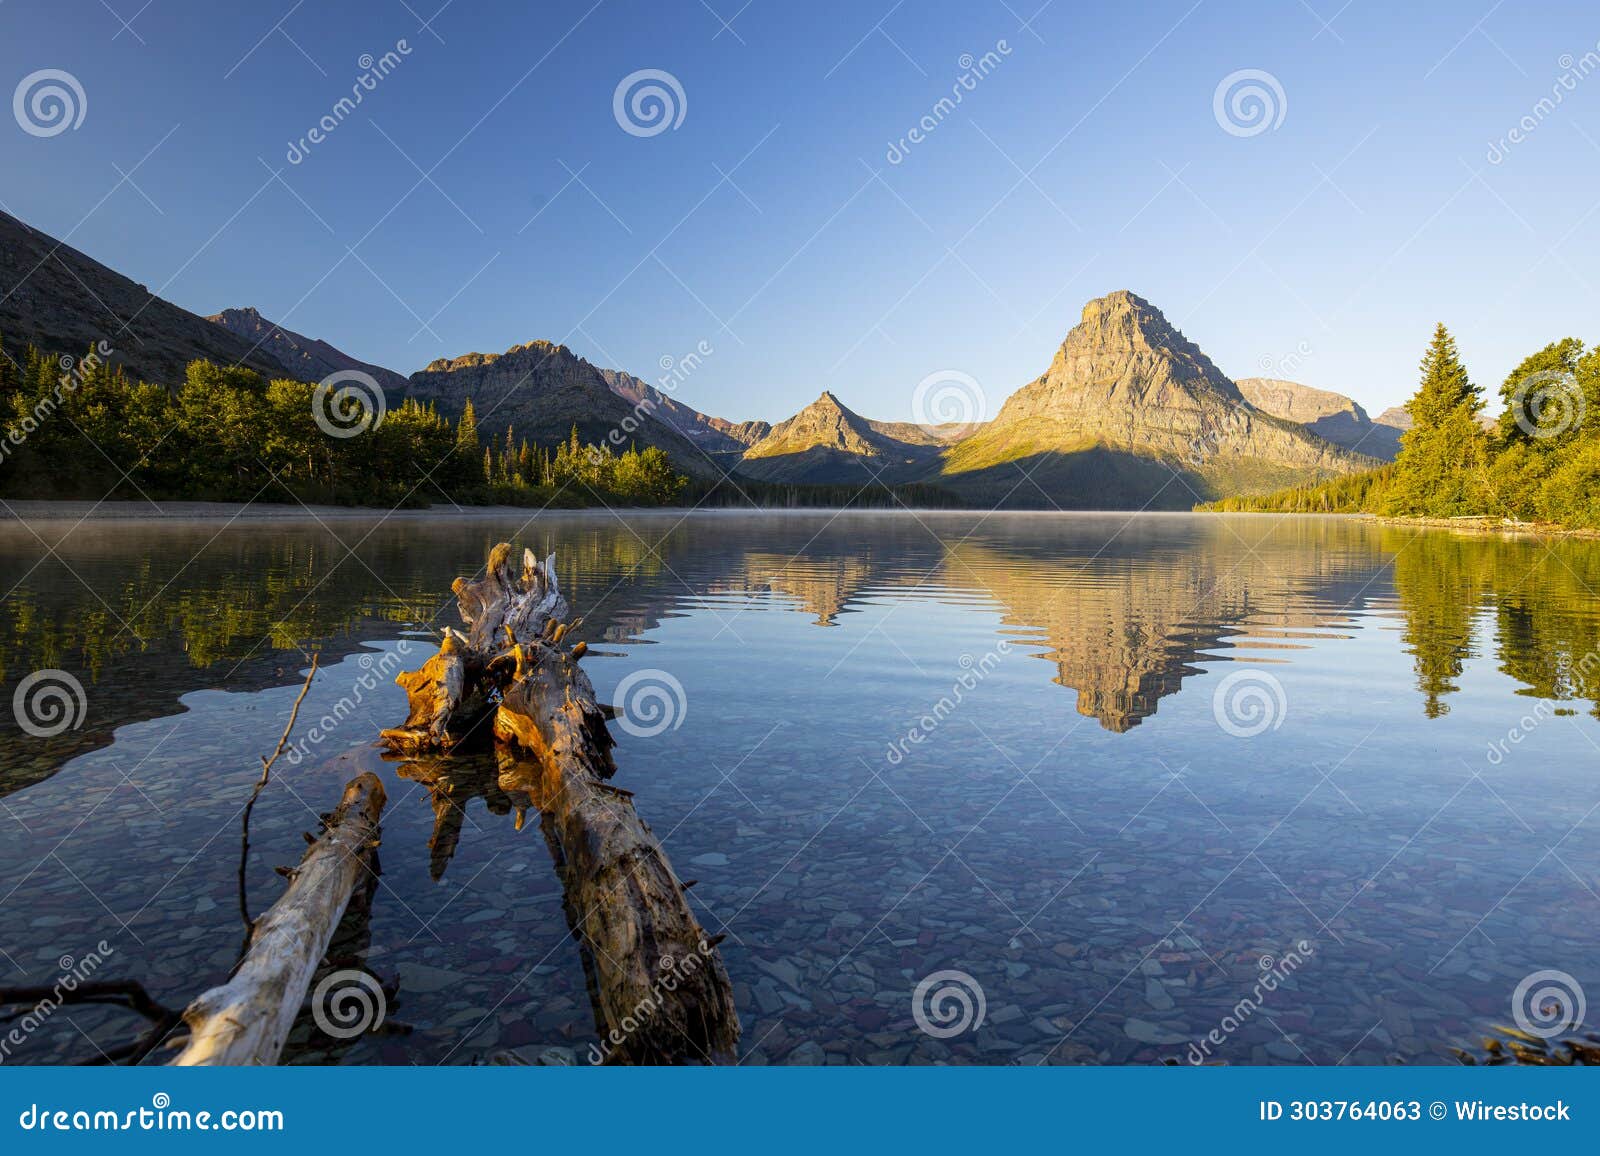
(660, 991)
(250, 807)
(247, 1019)
(122, 993)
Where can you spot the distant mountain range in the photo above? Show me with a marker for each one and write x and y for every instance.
(1130, 412)
(1329, 415)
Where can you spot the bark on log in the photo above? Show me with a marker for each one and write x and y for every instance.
(247, 1019)
(660, 990)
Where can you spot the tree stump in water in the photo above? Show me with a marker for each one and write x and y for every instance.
(660, 991)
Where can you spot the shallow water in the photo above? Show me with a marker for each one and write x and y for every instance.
(1117, 770)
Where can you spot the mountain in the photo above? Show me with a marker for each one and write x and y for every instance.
(1331, 416)
(828, 444)
(542, 390)
(1128, 407)
(1396, 416)
(307, 358)
(60, 300)
(714, 434)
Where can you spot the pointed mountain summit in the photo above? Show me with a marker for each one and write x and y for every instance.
(1132, 413)
(827, 443)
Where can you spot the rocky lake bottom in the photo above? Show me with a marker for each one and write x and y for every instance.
(1126, 789)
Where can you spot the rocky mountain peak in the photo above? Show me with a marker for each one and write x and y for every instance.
(1128, 386)
(825, 422)
(1125, 350)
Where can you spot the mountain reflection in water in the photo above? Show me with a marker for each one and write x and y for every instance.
(1432, 743)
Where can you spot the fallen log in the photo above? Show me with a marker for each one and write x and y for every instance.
(657, 984)
(659, 988)
(247, 1020)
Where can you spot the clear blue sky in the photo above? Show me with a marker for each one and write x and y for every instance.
(1088, 160)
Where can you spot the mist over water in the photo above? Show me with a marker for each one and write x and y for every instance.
(1106, 766)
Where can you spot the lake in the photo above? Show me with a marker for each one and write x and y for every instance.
(1250, 789)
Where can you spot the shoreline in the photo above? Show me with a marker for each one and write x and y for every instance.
(1503, 527)
(29, 510)
(38, 510)
(1475, 525)
(76, 510)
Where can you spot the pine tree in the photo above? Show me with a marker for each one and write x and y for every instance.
(467, 431)
(1441, 471)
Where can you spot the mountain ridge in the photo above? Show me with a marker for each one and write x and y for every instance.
(306, 358)
(59, 299)
(715, 434)
(1128, 412)
(1332, 416)
(542, 391)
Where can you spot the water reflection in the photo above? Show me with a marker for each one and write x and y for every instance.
(1124, 610)
(1081, 836)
